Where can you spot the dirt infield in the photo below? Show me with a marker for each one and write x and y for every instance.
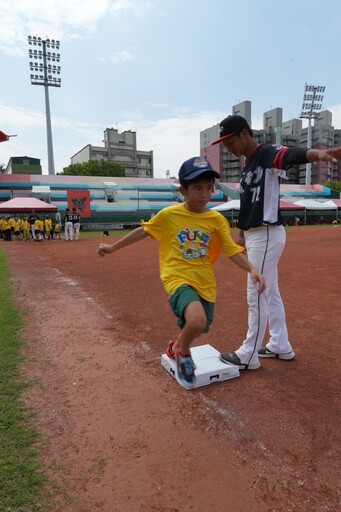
(120, 435)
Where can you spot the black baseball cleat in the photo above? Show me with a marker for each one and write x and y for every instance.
(232, 359)
(265, 352)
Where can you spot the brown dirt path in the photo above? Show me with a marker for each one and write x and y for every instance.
(121, 436)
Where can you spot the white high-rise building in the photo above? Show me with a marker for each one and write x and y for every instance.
(120, 148)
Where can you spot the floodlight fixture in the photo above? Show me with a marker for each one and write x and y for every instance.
(47, 74)
(312, 101)
(311, 107)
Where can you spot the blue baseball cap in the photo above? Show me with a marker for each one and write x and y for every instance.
(194, 167)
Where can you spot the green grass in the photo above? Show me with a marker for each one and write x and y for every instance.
(21, 479)
(98, 234)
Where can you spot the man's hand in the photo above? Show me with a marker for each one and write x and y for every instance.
(333, 154)
(324, 155)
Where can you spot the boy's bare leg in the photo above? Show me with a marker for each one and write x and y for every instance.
(195, 317)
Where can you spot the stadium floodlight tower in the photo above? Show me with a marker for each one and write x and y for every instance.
(42, 64)
(311, 106)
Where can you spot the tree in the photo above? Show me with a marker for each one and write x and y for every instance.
(94, 168)
(334, 185)
(2, 168)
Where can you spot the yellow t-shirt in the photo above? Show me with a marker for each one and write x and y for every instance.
(25, 224)
(189, 244)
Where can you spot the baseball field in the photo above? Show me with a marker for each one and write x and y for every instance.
(120, 435)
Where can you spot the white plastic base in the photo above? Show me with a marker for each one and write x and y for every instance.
(209, 367)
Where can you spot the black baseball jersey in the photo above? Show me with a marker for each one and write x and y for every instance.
(260, 182)
(75, 217)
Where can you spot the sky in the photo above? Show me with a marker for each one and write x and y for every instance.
(167, 69)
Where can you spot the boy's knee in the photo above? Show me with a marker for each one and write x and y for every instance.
(197, 322)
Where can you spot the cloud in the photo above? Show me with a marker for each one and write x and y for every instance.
(30, 128)
(117, 57)
(173, 139)
(57, 18)
(158, 105)
(137, 8)
(15, 118)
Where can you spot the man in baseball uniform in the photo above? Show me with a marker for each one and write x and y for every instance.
(262, 233)
(68, 225)
(76, 219)
(32, 218)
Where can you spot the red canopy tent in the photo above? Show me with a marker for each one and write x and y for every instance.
(26, 204)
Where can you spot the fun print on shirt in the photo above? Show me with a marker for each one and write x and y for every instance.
(193, 243)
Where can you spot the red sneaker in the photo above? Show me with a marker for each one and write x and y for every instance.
(169, 350)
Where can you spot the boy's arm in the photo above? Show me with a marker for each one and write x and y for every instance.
(241, 238)
(241, 260)
(135, 236)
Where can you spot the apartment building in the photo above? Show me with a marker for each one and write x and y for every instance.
(120, 148)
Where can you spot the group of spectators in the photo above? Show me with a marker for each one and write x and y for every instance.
(38, 227)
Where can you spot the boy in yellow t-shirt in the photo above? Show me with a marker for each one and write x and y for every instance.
(2, 228)
(16, 227)
(56, 231)
(48, 227)
(190, 237)
(25, 226)
(7, 229)
(39, 229)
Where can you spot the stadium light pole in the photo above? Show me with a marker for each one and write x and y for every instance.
(311, 106)
(45, 75)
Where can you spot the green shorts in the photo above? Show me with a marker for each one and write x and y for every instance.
(184, 296)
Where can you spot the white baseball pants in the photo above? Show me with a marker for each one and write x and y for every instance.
(264, 247)
(68, 231)
(76, 228)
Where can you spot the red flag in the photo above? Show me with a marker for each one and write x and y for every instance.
(79, 199)
(4, 137)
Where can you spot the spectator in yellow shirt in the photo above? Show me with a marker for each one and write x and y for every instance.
(16, 227)
(56, 231)
(25, 226)
(7, 230)
(48, 228)
(38, 229)
(1, 228)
